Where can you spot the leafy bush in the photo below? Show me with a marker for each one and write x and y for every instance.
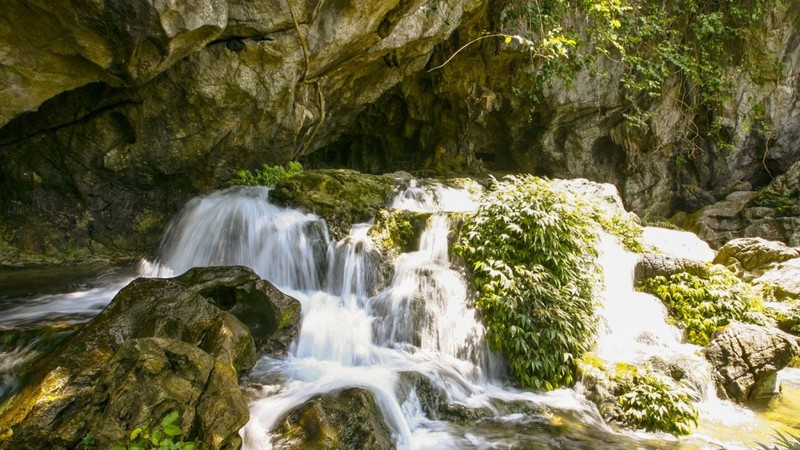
(788, 321)
(269, 175)
(781, 202)
(161, 438)
(531, 248)
(648, 402)
(701, 305)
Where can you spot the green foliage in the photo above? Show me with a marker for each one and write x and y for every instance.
(531, 248)
(786, 441)
(162, 437)
(654, 404)
(269, 175)
(689, 46)
(788, 321)
(781, 201)
(701, 305)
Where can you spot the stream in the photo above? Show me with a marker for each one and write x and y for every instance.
(364, 330)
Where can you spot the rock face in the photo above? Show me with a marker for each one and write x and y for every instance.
(766, 262)
(167, 101)
(141, 105)
(347, 419)
(746, 359)
(160, 345)
(772, 213)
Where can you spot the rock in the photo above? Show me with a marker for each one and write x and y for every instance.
(346, 419)
(746, 358)
(652, 265)
(272, 317)
(783, 279)
(198, 342)
(101, 168)
(751, 254)
(55, 47)
(341, 197)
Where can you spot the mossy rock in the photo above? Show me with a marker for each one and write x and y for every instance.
(346, 419)
(398, 231)
(341, 197)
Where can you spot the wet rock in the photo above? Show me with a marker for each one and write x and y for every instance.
(653, 264)
(746, 358)
(200, 343)
(341, 197)
(346, 419)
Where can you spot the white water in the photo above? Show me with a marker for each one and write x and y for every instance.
(358, 332)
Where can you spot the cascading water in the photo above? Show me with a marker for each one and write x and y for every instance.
(363, 329)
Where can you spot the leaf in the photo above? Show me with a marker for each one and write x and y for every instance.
(172, 430)
(135, 433)
(170, 418)
(508, 39)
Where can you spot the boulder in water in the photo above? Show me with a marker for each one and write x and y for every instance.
(113, 376)
(346, 419)
(746, 359)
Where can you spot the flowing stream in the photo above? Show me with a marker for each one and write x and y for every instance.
(363, 329)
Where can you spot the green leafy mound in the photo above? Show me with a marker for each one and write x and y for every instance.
(269, 175)
(647, 401)
(789, 320)
(531, 248)
(700, 305)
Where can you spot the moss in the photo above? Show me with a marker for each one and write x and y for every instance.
(396, 231)
(341, 197)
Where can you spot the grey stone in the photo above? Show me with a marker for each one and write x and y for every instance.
(746, 357)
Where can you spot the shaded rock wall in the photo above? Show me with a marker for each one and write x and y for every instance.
(113, 115)
(481, 106)
(141, 107)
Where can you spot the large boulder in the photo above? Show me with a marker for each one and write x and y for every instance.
(751, 254)
(161, 344)
(346, 419)
(746, 359)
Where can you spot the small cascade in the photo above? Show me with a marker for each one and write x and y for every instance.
(633, 325)
(434, 197)
(426, 305)
(239, 226)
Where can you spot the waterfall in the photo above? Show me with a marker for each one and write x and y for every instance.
(239, 226)
(405, 330)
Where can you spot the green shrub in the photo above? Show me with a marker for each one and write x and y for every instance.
(701, 305)
(788, 321)
(781, 202)
(269, 175)
(531, 248)
(162, 437)
(648, 402)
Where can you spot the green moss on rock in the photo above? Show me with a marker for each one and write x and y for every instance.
(398, 231)
(341, 197)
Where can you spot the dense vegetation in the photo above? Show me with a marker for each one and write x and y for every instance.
(269, 175)
(531, 248)
(700, 305)
(647, 401)
(681, 49)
